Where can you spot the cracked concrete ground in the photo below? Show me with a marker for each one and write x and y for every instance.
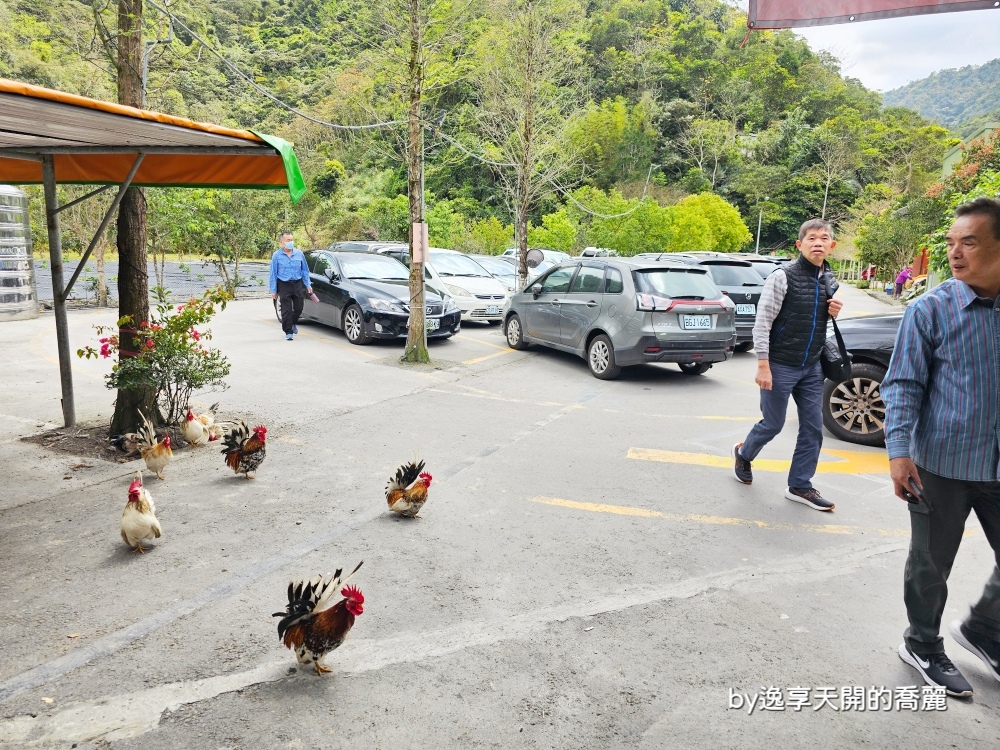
(556, 594)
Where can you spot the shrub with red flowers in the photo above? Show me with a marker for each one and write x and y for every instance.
(170, 354)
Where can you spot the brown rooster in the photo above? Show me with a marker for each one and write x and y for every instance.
(156, 453)
(311, 631)
(406, 492)
(244, 451)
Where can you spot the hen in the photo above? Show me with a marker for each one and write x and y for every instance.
(311, 631)
(197, 429)
(244, 451)
(156, 453)
(406, 492)
(139, 520)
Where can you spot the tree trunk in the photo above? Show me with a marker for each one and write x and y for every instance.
(102, 283)
(133, 283)
(416, 345)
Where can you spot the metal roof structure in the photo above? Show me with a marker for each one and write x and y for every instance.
(788, 14)
(52, 137)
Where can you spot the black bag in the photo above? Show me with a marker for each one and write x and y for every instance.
(835, 360)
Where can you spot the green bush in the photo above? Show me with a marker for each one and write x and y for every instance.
(172, 357)
(863, 284)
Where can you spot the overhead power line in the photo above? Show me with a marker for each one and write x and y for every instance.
(264, 91)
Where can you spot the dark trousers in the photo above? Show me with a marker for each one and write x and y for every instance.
(291, 294)
(936, 527)
(805, 386)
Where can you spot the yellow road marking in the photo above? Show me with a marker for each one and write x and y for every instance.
(852, 462)
(484, 343)
(489, 356)
(622, 510)
(339, 345)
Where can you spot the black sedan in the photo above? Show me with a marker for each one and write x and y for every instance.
(853, 410)
(367, 296)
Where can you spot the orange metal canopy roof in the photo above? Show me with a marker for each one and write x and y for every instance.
(96, 142)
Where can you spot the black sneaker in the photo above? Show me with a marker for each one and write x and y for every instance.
(986, 649)
(810, 497)
(937, 670)
(741, 467)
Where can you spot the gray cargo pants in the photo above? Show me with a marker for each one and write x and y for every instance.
(936, 526)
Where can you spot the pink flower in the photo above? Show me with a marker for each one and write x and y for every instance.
(104, 340)
(180, 308)
(150, 345)
(106, 351)
(195, 335)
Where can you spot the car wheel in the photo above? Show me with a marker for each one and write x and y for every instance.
(601, 358)
(514, 334)
(277, 307)
(354, 326)
(853, 410)
(745, 346)
(694, 368)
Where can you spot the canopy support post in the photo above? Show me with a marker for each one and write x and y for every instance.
(58, 297)
(104, 224)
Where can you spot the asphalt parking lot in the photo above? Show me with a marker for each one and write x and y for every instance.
(587, 573)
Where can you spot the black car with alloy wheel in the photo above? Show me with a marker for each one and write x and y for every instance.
(367, 296)
(853, 410)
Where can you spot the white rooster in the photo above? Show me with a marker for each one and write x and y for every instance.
(139, 520)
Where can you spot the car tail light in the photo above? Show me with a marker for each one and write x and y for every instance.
(651, 349)
(652, 303)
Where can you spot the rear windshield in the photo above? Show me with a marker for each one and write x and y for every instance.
(764, 267)
(676, 283)
(730, 275)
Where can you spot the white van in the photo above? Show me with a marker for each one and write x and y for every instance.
(475, 290)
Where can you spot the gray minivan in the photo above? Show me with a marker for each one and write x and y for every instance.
(616, 312)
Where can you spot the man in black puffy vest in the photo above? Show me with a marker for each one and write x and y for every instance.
(788, 336)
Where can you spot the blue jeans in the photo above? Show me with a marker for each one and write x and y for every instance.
(805, 386)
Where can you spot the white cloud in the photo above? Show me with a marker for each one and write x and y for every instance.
(886, 54)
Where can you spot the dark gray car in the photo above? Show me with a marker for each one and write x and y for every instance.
(619, 312)
(739, 280)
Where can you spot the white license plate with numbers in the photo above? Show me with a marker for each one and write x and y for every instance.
(431, 324)
(746, 309)
(492, 310)
(696, 322)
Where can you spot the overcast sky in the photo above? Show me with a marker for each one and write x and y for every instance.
(886, 54)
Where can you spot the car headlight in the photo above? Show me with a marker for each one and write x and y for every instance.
(377, 303)
(450, 306)
(458, 291)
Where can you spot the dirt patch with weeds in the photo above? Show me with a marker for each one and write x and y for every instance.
(90, 441)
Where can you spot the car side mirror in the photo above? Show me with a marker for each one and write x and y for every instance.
(332, 275)
(536, 289)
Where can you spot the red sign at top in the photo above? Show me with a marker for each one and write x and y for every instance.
(786, 14)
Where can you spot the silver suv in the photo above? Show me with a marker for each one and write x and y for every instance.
(619, 312)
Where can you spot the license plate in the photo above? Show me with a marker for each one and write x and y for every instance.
(746, 309)
(492, 310)
(696, 322)
(430, 324)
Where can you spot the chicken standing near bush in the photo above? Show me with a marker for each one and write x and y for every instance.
(156, 453)
(311, 631)
(197, 429)
(139, 520)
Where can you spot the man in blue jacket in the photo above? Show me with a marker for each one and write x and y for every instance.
(789, 335)
(942, 433)
(289, 282)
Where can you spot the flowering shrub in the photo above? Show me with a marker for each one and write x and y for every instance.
(169, 356)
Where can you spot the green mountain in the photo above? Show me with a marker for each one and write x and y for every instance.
(953, 97)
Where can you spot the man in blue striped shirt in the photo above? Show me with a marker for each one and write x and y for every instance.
(942, 395)
(289, 282)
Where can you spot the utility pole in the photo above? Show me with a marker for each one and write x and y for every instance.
(760, 218)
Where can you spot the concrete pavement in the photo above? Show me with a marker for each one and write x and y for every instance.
(561, 591)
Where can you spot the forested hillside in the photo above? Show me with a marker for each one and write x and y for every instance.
(633, 89)
(958, 98)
